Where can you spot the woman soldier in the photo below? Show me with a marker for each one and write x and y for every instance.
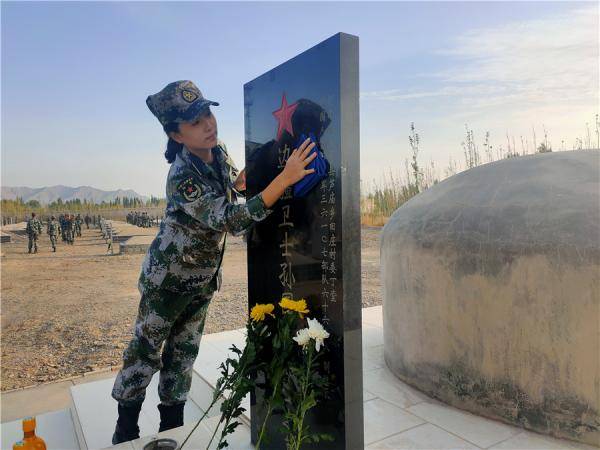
(182, 267)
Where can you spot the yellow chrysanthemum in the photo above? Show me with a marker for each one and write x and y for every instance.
(260, 311)
(294, 305)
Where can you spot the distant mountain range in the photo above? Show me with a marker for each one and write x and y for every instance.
(50, 194)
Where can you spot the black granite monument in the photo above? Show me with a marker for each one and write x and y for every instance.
(309, 247)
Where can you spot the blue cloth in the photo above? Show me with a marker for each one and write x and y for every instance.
(320, 164)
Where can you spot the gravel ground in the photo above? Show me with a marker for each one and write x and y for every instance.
(71, 312)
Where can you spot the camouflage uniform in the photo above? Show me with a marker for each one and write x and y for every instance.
(53, 232)
(63, 227)
(180, 273)
(33, 229)
(78, 223)
(69, 229)
(109, 238)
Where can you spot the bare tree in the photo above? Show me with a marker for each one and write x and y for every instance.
(487, 147)
(470, 150)
(413, 140)
(548, 145)
(597, 132)
(452, 168)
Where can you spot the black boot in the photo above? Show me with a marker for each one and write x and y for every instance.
(127, 424)
(171, 416)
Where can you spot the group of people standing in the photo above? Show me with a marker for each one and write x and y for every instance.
(141, 219)
(68, 226)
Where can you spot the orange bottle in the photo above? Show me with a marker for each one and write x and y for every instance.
(30, 440)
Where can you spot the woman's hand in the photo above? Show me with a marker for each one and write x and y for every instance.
(240, 181)
(293, 172)
(294, 169)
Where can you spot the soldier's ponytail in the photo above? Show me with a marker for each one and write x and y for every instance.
(173, 147)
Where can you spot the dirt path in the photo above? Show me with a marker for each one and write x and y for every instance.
(70, 312)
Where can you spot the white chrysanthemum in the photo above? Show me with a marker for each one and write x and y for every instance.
(317, 332)
(302, 337)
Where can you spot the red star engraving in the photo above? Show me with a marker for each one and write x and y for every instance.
(284, 116)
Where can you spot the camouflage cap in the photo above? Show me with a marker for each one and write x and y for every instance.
(179, 101)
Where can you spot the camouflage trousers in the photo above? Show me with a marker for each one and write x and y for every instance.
(53, 241)
(174, 322)
(33, 238)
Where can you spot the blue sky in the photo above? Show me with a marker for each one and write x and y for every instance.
(75, 76)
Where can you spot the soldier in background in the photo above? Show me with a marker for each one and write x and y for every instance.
(102, 225)
(69, 228)
(61, 221)
(109, 237)
(58, 222)
(65, 227)
(87, 219)
(52, 230)
(78, 223)
(33, 229)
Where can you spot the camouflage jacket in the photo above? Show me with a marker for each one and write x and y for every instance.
(186, 253)
(34, 227)
(52, 229)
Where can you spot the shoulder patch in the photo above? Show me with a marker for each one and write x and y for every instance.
(189, 188)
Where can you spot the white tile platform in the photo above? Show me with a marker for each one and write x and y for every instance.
(396, 416)
(97, 413)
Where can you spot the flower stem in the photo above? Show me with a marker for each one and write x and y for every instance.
(269, 410)
(214, 432)
(240, 374)
(216, 396)
(305, 385)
